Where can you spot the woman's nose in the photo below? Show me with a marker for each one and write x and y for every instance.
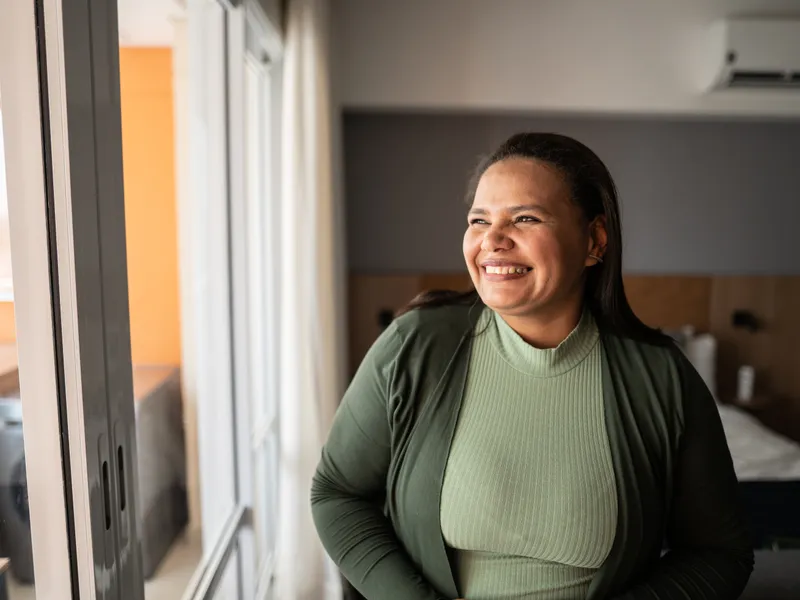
(494, 240)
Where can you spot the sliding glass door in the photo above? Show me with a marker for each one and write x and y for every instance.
(44, 487)
(59, 84)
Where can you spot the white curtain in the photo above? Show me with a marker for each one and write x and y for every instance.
(312, 312)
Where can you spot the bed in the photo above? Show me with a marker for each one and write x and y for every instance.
(759, 454)
(767, 464)
(768, 468)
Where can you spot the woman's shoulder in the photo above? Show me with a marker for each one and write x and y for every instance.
(420, 344)
(425, 323)
(658, 366)
(660, 357)
(428, 332)
(657, 347)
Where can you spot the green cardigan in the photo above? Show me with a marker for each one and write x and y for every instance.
(375, 497)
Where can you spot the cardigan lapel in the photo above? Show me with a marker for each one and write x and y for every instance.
(640, 522)
(427, 453)
(629, 526)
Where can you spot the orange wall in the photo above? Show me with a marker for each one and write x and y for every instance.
(7, 329)
(148, 148)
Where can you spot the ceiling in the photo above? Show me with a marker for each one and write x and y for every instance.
(147, 22)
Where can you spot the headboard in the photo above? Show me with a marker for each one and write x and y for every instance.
(666, 301)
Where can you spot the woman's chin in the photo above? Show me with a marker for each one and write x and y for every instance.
(503, 302)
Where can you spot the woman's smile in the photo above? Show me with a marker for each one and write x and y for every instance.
(503, 270)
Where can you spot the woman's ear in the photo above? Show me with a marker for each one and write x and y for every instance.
(598, 239)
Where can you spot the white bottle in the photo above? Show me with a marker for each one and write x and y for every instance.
(745, 384)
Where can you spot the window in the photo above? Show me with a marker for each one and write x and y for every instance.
(261, 133)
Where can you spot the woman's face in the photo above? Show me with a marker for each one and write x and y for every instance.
(527, 243)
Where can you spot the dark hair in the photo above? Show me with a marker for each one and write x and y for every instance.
(594, 191)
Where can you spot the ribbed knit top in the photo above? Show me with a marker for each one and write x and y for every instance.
(529, 498)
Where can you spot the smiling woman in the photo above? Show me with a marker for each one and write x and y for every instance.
(532, 438)
(557, 206)
(530, 259)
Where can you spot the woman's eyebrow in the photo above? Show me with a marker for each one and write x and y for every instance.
(513, 209)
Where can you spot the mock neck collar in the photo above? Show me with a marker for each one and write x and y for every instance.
(541, 362)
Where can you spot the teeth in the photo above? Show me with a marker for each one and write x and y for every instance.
(506, 270)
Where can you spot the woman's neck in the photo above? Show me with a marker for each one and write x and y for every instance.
(546, 329)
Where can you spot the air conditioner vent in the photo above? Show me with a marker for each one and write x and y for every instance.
(760, 79)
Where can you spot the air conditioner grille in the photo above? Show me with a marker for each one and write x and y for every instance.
(778, 79)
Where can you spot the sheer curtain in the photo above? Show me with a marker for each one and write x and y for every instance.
(312, 313)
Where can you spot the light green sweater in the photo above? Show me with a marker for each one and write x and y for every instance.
(377, 493)
(529, 499)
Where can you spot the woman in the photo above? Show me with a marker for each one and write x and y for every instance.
(532, 439)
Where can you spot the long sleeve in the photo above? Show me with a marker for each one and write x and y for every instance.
(348, 489)
(710, 555)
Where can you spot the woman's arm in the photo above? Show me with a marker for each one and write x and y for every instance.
(710, 556)
(348, 488)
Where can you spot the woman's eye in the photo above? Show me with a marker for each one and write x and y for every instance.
(528, 219)
(477, 222)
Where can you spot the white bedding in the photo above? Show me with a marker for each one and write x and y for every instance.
(758, 452)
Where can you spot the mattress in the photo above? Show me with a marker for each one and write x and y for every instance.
(758, 453)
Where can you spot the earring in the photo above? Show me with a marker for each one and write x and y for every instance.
(597, 258)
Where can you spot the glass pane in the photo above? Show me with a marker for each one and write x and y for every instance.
(150, 214)
(170, 553)
(16, 556)
(207, 261)
(262, 312)
(175, 136)
(228, 588)
(254, 141)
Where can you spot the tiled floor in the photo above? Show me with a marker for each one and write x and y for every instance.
(169, 582)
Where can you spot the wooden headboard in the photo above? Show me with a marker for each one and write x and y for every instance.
(669, 302)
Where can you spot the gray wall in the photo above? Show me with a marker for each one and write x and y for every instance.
(698, 197)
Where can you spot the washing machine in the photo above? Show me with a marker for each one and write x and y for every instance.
(15, 522)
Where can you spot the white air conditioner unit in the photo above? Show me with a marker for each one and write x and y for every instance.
(756, 53)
